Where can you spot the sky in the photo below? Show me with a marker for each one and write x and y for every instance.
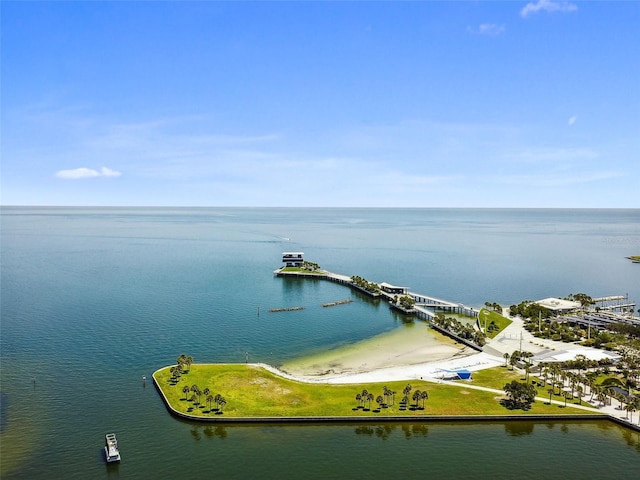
(321, 104)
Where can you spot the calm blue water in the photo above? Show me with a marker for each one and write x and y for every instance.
(94, 298)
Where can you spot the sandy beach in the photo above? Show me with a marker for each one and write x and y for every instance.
(408, 352)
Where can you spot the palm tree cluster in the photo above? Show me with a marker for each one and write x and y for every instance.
(366, 285)
(496, 307)
(388, 399)
(417, 396)
(462, 330)
(405, 302)
(310, 266)
(520, 358)
(218, 399)
(579, 378)
(182, 366)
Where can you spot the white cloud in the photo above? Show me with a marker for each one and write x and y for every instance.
(558, 178)
(81, 173)
(553, 155)
(490, 29)
(572, 120)
(547, 6)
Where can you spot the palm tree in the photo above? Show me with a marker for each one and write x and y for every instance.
(196, 391)
(559, 384)
(416, 397)
(387, 393)
(506, 358)
(629, 409)
(580, 392)
(551, 391)
(181, 358)
(565, 394)
(209, 400)
(595, 390)
(513, 360)
(424, 396)
(632, 405)
(370, 399)
(186, 389)
(380, 401)
(406, 392)
(359, 399)
(221, 402)
(573, 382)
(188, 360)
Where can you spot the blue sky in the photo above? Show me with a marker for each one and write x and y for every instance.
(364, 104)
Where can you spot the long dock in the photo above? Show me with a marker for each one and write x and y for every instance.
(425, 306)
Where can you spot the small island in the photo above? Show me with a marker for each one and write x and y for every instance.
(634, 258)
(260, 393)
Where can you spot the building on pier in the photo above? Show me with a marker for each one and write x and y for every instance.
(558, 305)
(293, 259)
(393, 289)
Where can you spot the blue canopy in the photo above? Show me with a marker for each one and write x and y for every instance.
(462, 373)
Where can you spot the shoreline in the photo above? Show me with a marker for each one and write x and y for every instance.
(404, 353)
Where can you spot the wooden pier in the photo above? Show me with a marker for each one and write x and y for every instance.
(425, 307)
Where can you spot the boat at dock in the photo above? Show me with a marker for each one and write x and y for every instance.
(111, 451)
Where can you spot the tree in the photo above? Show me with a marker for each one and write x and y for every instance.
(370, 398)
(513, 360)
(387, 393)
(580, 393)
(506, 359)
(551, 391)
(406, 391)
(417, 395)
(520, 395)
(631, 406)
(424, 396)
(186, 389)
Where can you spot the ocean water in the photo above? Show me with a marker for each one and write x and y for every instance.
(92, 299)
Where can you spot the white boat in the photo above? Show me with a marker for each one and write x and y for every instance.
(111, 451)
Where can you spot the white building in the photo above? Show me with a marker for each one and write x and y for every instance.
(293, 259)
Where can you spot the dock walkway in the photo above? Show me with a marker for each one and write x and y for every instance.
(425, 306)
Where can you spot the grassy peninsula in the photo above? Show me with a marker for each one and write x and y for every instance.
(251, 391)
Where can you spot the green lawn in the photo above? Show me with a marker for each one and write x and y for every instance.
(493, 317)
(302, 270)
(251, 391)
